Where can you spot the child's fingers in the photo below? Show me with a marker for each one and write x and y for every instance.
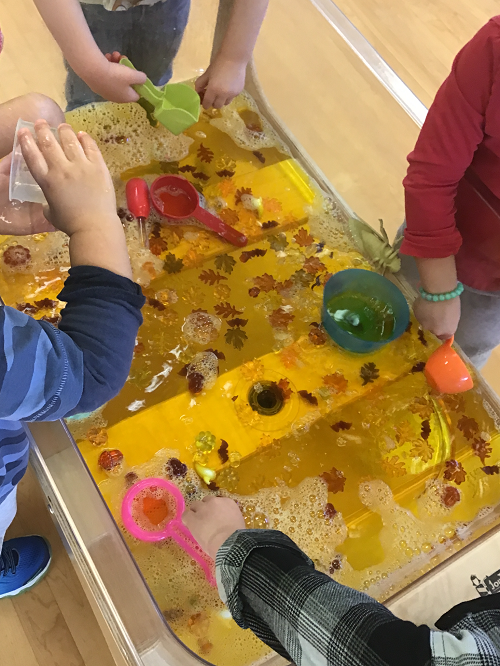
(89, 147)
(219, 102)
(32, 155)
(69, 143)
(48, 145)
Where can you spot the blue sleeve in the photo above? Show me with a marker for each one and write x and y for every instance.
(47, 373)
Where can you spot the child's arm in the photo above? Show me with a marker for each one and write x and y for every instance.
(47, 373)
(66, 22)
(271, 587)
(453, 129)
(225, 77)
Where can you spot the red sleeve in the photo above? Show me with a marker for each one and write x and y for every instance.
(452, 131)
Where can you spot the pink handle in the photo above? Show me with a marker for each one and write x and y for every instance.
(221, 228)
(181, 534)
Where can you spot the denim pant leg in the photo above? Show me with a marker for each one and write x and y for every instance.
(478, 331)
(156, 37)
(8, 509)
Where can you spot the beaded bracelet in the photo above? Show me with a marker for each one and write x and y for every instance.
(442, 297)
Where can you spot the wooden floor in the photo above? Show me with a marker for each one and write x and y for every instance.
(349, 126)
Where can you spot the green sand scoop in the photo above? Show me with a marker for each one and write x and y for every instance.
(176, 105)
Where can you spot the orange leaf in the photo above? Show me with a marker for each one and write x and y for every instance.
(290, 355)
(454, 471)
(229, 216)
(284, 386)
(280, 318)
(394, 467)
(265, 283)
(303, 238)
(313, 265)
(271, 205)
(337, 382)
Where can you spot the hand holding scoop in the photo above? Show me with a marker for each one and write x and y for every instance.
(446, 372)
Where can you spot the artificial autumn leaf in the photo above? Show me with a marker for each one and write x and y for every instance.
(409, 327)
(369, 373)
(54, 320)
(270, 224)
(250, 254)
(481, 449)
(450, 496)
(468, 426)
(229, 216)
(329, 511)
(290, 355)
(226, 310)
(225, 263)
(254, 292)
(172, 264)
(303, 238)
(205, 154)
(237, 322)
(236, 337)
(187, 168)
(313, 265)
(223, 452)
(220, 355)
(284, 386)
(27, 308)
(455, 403)
(425, 430)
(265, 283)
(418, 367)
(241, 193)
(280, 318)
(283, 287)
(491, 470)
(201, 176)
(308, 397)
(337, 382)
(278, 243)
(259, 156)
(46, 303)
(423, 450)
(421, 407)
(341, 425)
(394, 466)
(211, 278)
(405, 432)
(317, 335)
(271, 205)
(421, 337)
(226, 187)
(157, 246)
(156, 304)
(334, 479)
(302, 279)
(454, 471)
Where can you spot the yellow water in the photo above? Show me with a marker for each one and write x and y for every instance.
(373, 476)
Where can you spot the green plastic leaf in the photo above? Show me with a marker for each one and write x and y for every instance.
(225, 263)
(376, 246)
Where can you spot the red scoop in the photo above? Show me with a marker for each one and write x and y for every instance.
(138, 204)
(174, 197)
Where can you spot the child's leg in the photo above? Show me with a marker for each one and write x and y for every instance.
(108, 30)
(29, 107)
(8, 509)
(155, 37)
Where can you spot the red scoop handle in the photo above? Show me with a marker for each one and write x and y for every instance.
(138, 197)
(219, 227)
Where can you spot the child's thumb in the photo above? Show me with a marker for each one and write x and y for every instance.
(135, 77)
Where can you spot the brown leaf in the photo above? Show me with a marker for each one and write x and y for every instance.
(425, 430)
(303, 238)
(237, 322)
(241, 192)
(46, 303)
(196, 382)
(201, 176)
(341, 425)
(249, 254)
(491, 470)
(156, 304)
(313, 265)
(225, 173)
(421, 407)
(54, 319)
(394, 466)
(308, 397)
(450, 496)
(223, 452)
(334, 479)
(468, 426)
(220, 355)
(234, 398)
(481, 449)
(336, 565)
(27, 308)
(187, 168)
(254, 292)
(329, 511)
(283, 287)
(205, 154)
(211, 278)
(337, 382)
(369, 373)
(280, 318)
(421, 337)
(259, 156)
(284, 386)
(454, 472)
(270, 224)
(229, 216)
(418, 367)
(227, 310)
(157, 246)
(317, 335)
(265, 283)
(409, 327)
(97, 436)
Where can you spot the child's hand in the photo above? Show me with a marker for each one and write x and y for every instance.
(114, 81)
(440, 318)
(212, 521)
(73, 177)
(221, 83)
(18, 219)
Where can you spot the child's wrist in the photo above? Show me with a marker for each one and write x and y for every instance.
(442, 296)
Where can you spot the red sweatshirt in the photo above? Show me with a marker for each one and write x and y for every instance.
(452, 188)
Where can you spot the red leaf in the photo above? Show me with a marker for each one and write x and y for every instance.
(454, 472)
(491, 470)
(334, 479)
(450, 496)
(481, 449)
(308, 397)
(329, 511)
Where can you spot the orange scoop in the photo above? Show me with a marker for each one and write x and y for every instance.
(446, 372)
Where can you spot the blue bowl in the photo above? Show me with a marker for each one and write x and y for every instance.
(370, 284)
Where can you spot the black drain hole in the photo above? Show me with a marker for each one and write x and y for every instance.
(266, 398)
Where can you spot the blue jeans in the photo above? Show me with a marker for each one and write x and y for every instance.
(149, 36)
